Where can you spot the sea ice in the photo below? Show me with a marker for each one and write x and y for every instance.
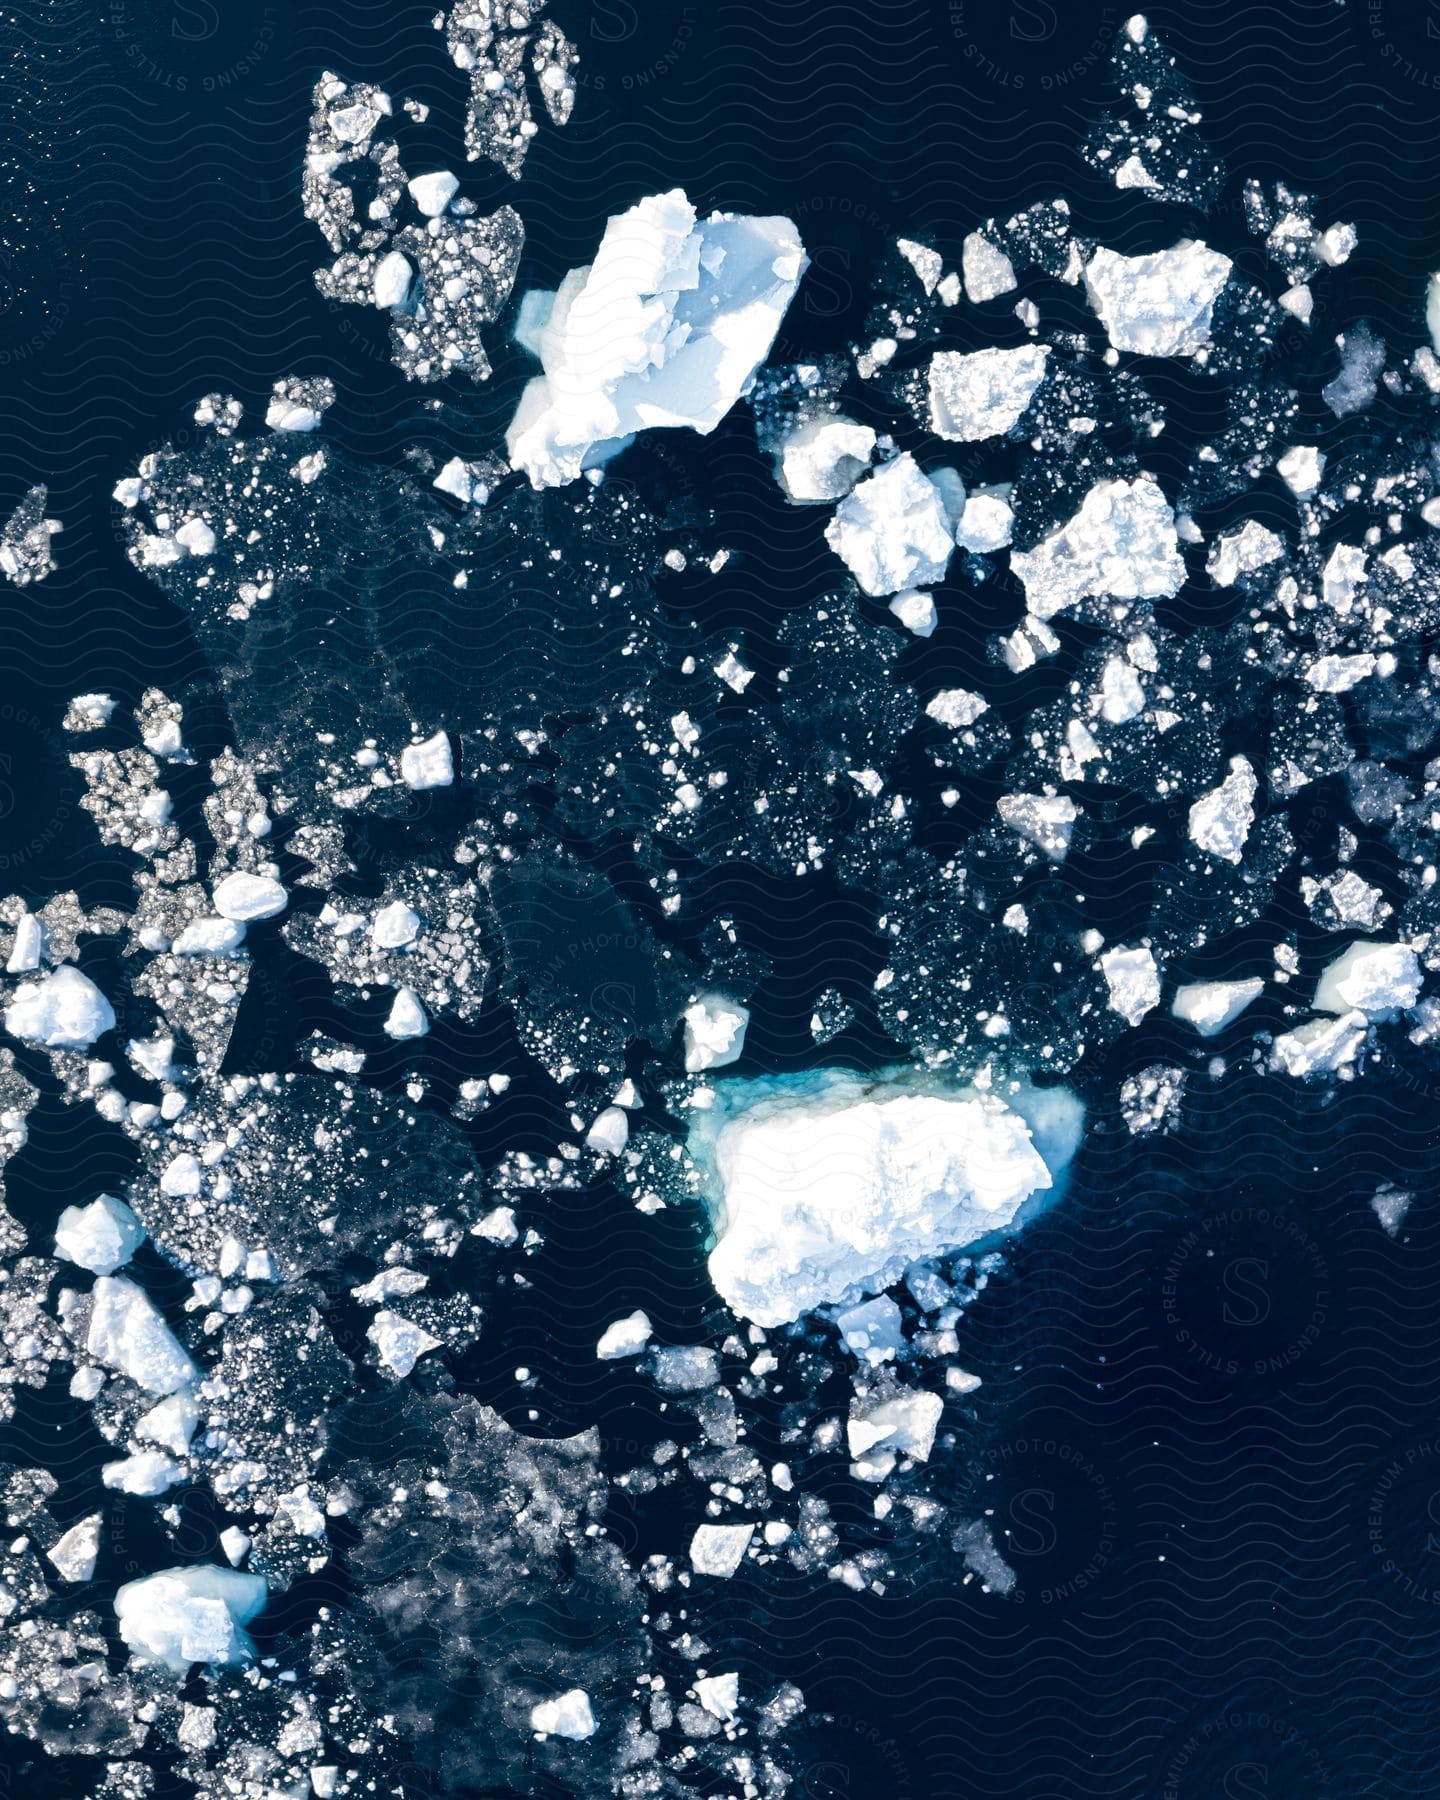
(1133, 980)
(982, 393)
(626, 1337)
(127, 1333)
(714, 1032)
(719, 1549)
(987, 271)
(62, 1011)
(428, 765)
(1121, 544)
(665, 328)
(569, 1715)
(75, 1554)
(1375, 979)
(824, 458)
(190, 1615)
(892, 531)
(100, 1236)
(249, 897)
(1209, 1006)
(1220, 821)
(824, 1187)
(1158, 305)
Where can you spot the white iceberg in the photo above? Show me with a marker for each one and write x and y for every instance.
(1220, 821)
(825, 1187)
(100, 1236)
(62, 1011)
(128, 1334)
(719, 1549)
(982, 393)
(893, 530)
(626, 1337)
(1209, 1006)
(665, 328)
(569, 1715)
(190, 1615)
(1121, 545)
(1376, 979)
(1158, 305)
(824, 458)
(714, 1032)
(250, 897)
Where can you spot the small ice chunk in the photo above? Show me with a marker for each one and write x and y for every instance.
(626, 1337)
(89, 712)
(926, 263)
(719, 1549)
(1338, 674)
(432, 193)
(916, 612)
(720, 1694)
(1209, 1006)
(1220, 821)
(190, 1615)
(147, 1473)
(982, 393)
(824, 458)
(210, 937)
(872, 1331)
(62, 1011)
(1045, 820)
(100, 1237)
(1389, 1204)
(987, 522)
(1301, 468)
(892, 531)
(171, 1424)
(956, 708)
(406, 1018)
(394, 926)
(75, 1554)
(1134, 981)
(714, 1032)
(892, 1422)
(1320, 1047)
(399, 1342)
(1237, 553)
(128, 1334)
(1121, 544)
(196, 537)
(1158, 305)
(1376, 979)
(568, 1715)
(609, 1133)
(987, 271)
(427, 765)
(392, 278)
(250, 897)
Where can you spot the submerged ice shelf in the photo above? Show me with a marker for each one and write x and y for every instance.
(825, 1187)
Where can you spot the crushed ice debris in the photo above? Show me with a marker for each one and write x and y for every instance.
(665, 328)
(25, 540)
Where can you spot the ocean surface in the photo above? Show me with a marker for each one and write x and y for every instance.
(1208, 1438)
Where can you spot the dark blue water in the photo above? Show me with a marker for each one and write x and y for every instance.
(1209, 1428)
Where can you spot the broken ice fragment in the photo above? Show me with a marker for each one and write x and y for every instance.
(892, 531)
(1121, 544)
(1209, 1006)
(894, 1421)
(824, 458)
(25, 553)
(428, 765)
(982, 393)
(1045, 820)
(406, 1018)
(871, 1331)
(1220, 821)
(190, 1615)
(665, 328)
(249, 897)
(988, 272)
(99, 1237)
(720, 1694)
(719, 1549)
(75, 1554)
(609, 1133)
(569, 1715)
(127, 1333)
(1158, 305)
(916, 612)
(1300, 468)
(62, 1011)
(1134, 981)
(714, 1032)
(1237, 553)
(399, 1343)
(1321, 1047)
(1372, 978)
(626, 1337)
(432, 193)
(825, 1186)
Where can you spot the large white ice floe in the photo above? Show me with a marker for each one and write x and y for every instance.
(568, 1715)
(893, 530)
(665, 328)
(100, 1236)
(1121, 545)
(128, 1334)
(1376, 979)
(1158, 305)
(982, 393)
(62, 1011)
(826, 1187)
(190, 1615)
